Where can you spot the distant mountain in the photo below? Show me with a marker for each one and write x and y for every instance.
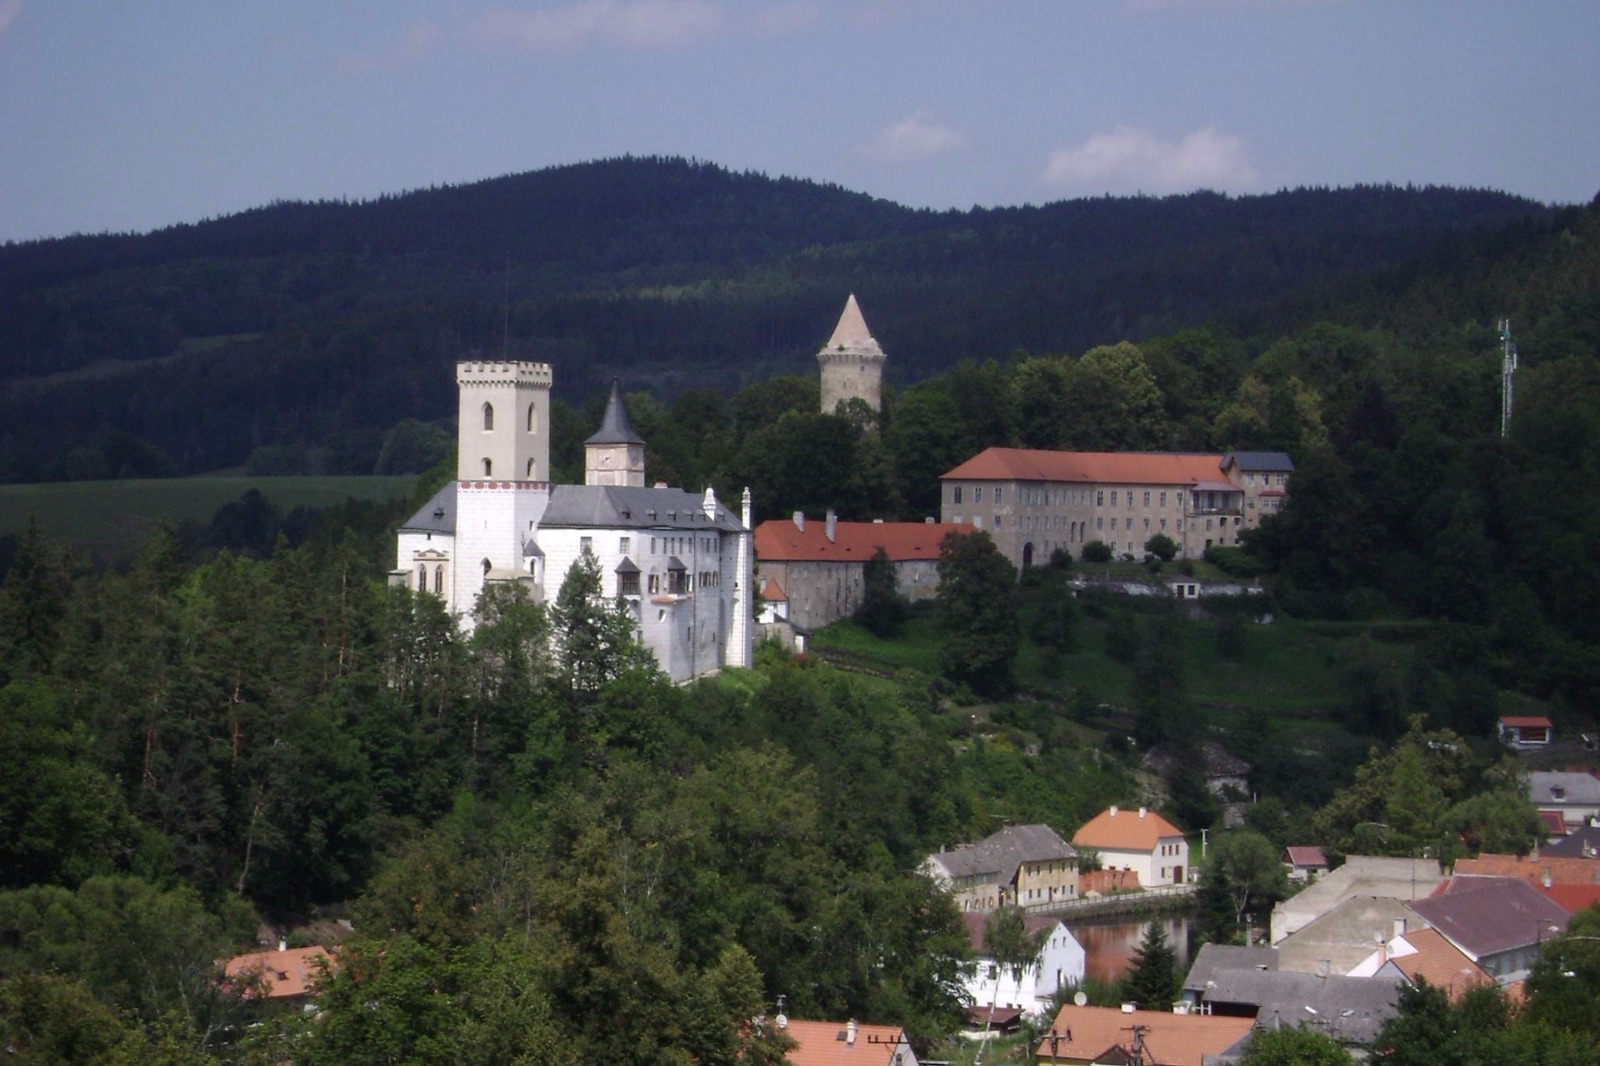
(195, 347)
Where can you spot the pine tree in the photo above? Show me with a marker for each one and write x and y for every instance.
(1152, 980)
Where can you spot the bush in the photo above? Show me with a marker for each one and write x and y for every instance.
(1097, 551)
(1162, 547)
(1235, 562)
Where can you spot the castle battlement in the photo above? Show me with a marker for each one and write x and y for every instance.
(534, 375)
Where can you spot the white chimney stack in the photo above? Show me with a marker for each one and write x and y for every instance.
(800, 521)
(850, 1033)
(833, 520)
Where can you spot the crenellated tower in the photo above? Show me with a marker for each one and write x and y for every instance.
(852, 363)
(504, 421)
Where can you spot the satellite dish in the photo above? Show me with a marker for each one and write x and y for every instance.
(1080, 999)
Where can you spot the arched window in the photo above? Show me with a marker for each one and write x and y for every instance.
(533, 418)
(438, 579)
(530, 469)
(422, 578)
(486, 568)
(488, 467)
(488, 416)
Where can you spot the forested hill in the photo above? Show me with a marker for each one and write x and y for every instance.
(325, 324)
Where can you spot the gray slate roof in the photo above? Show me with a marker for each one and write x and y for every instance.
(1212, 957)
(615, 427)
(438, 515)
(1349, 1009)
(632, 507)
(998, 855)
(1579, 789)
(1582, 843)
(1489, 915)
(1267, 462)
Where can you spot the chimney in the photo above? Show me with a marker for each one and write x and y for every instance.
(800, 521)
(1113, 810)
(833, 520)
(283, 945)
(1399, 927)
(850, 1032)
(1143, 811)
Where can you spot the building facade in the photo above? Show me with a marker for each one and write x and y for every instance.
(1141, 841)
(1021, 865)
(1033, 502)
(681, 564)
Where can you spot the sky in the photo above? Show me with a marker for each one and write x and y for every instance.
(128, 116)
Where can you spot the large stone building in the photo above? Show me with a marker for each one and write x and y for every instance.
(820, 565)
(1033, 502)
(1021, 865)
(679, 563)
(852, 363)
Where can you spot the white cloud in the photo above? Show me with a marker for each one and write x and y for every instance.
(9, 10)
(913, 137)
(414, 45)
(619, 23)
(1130, 160)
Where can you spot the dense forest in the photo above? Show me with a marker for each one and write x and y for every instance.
(544, 851)
(295, 336)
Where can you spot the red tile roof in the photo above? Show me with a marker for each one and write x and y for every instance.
(1490, 915)
(780, 540)
(1560, 869)
(1084, 1034)
(1126, 830)
(284, 974)
(826, 1044)
(1524, 721)
(1553, 823)
(1573, 898)
(1095, 468)
(1310, 856)
(1441, 964)
(773, 592)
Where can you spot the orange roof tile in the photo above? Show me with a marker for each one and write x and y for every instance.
(780, 540)
(1573, 898)
(1083, 1034)
(825, 1044)
(1441, 964)
(773, 592)
(1095, 468)
(1125, 830)
(1526, 721)
(283, 973)
(1561, 870)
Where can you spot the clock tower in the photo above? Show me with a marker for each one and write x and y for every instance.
(615, 454)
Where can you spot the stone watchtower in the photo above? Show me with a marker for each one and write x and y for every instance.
(615, 454)
(503, 429)
(852, 363)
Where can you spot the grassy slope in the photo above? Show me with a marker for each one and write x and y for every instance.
(100, 516)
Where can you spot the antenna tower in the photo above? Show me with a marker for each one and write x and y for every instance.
(505, 329)
(1508, 368)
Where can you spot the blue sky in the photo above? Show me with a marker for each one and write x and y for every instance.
(133, 115)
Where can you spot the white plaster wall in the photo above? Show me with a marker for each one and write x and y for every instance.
(1061, 963)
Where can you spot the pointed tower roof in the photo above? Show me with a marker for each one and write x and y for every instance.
(614, 427)
(852, 332)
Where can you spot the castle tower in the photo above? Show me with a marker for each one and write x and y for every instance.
(852, 363)
(503, 429)
(615, 454)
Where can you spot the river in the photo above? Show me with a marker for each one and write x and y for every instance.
(1110, 942)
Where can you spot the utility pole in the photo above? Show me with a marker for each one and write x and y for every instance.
(1508, 367)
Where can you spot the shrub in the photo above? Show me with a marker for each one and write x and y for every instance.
(1097, 551)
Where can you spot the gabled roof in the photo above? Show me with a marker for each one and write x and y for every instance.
(828, 1044)
(1558, 869)
(780, 540)
(1344, 936)
(998, 855)
(1093, 468)
(773, 592)
(614, 426)
(1577, 788)
(631, 507)
(1169, 1039)
(852, 333)
(283, 974)
(1212, 957)
(1352, 1008)
(1259, 462)
(1125, 830)
(1435, 960)
(1553, 824)
(1489, 915)
(1308, 856)
(1526, 721)
(1582, 843)
(977, 923)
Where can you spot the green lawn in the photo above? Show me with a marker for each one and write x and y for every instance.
(106, 516)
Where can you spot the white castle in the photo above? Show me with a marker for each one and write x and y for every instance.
(680, 563)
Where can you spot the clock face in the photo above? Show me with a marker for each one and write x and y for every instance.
(605, 458)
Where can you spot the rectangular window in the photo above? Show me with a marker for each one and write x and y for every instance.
(1099, 498)
(652, 545)
(655, 584)
(1099, 523)
(999, 493)
(1147, 498)
(955, 494)
(1147, 523)
(1163, 499)
(1163, 525)
(977, 520)
(586, 544)
(977, 494)
(997, 521)
(1113, 497)
(628, 584)
(1113, 525)
(625, 545)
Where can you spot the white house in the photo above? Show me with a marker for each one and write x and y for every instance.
(1060, 963)
(1020, 864)
(681, 564)
(1141, 841)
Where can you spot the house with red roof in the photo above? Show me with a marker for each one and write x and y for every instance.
(1033, 502)
(821, 565)
(1305, 863)
(1141, 841)
(1526, 732)
(847, 1044)
(1500, 923)
(1093, 1035)
(288, 975)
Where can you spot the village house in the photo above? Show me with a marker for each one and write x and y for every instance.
(1214, 957)
(1033, 502)
(847, 1044)
(680, 564)
(820, 566)
(286, 976)
(1338, 940)
(1424, 955)
(1351, 1010)
(1500, 923)
(1095, 1035)
(1574, 795)
(1058, 964)
(1305, 863)
(1019, 865)
(1361, 875)
(1141, 841)
(1526, 732)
